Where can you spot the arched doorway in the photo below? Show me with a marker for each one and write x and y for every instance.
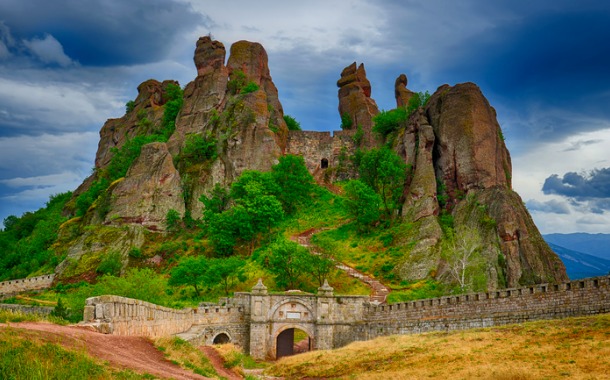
(324, 163)
(222, 338)
(292, 341)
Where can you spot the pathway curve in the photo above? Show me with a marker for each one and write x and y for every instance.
(379, 292)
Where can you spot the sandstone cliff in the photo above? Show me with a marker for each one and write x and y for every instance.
(462, 169)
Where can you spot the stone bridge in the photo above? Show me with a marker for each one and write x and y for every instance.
(264, 324)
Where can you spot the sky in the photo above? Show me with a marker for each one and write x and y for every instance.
(68, 65)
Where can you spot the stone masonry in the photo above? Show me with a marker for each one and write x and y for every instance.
(26, 284)
(254, 320)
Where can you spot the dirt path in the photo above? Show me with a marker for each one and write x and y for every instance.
(218, 363)
(135, 353)
(379, 292)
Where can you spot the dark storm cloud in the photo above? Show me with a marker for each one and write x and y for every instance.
(590, 189)
(102, 32)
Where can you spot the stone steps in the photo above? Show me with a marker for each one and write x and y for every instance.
(379, 291)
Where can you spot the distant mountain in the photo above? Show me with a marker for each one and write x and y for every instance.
(581, 265)
(592, 244)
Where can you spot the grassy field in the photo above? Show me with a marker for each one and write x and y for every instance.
(574, 348)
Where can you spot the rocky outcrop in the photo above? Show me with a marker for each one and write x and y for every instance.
(150, 189)
(459, 162)
(470, 151)
(401, 92)
(355, 101)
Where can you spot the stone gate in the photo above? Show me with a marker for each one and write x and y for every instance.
(263, 324)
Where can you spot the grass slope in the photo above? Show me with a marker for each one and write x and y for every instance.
(575, 348)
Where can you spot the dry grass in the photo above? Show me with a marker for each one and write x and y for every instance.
(574, 348)
(182, 353)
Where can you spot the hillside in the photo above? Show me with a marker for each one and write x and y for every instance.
(581, 265)
(592, 244)
(574, 348)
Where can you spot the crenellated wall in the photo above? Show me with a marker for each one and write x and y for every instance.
(254, 321)
(545, 301)
(26, 284)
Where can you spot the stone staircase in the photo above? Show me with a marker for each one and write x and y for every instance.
(379, 292)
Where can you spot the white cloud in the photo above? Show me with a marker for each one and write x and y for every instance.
(531, 168)
(48, 50)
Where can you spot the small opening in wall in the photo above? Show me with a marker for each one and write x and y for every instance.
(581, 284)
(555, 287)
(324, 163)
(596, 283)
(222, 338)
(568, 286)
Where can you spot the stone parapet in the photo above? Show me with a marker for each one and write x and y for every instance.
(26, 284)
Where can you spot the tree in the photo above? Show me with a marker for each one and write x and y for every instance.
(294, 181)
(362, 203)
(386, 122)
(385, 172)
(227, 272)
(190, 271)
(319, 266)
(218, 201)
(463, 259)
(287, 262)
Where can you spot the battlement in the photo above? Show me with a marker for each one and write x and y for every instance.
(26, 284)
(506, 306)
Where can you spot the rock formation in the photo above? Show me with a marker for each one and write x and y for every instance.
(401, 92)
(460, 163)
(459, 167)
(355, 101)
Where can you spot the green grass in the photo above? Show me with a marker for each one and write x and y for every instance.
(26, 357)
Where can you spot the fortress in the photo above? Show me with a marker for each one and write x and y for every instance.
(263, 324)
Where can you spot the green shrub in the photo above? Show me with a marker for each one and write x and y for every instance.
(236, 82)
(111, 264)
(250, 87)
(387, 122)
(172, 220)
(291, 123)
(346, 121)
(129, 106)
(197, 149)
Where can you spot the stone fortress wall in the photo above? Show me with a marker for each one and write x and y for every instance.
(255, 320)
(26, 284)
(315, 147)
(502, 307)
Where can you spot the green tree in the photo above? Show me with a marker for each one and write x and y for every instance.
(197, 149)
(319, 266)
(174, 94)
(363, 204)
(292, 123)
(227, 272)
(386, 122)
(294, 181)
(385, 172)
(287, 261)
(190, 271)
(217, 202)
